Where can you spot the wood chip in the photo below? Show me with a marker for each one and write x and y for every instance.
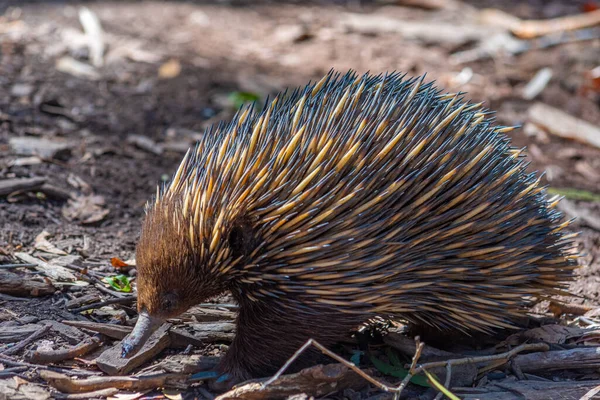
(71, 334)
(111, 362)
(111, 330)
(28, 340)
(23, 285)
(11, 333)
(559, 123)
(54, 272)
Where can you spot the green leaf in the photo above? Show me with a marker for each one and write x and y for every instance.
(439, 386)
(238, 99)
(393, 357)
(398, 372)
(575, 194)
(120, 283)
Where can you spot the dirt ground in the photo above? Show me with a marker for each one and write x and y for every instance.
(171, 69)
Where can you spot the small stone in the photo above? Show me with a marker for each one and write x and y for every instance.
(21, 90)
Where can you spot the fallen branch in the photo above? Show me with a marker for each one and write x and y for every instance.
(578, 358)
(46, 357)
(531, 28)
(65, 384)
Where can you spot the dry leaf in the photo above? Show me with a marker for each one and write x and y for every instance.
(86, 209)
(118, 263)
(42, 244)
(170, 69)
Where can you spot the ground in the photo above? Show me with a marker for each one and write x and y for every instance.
(171, 69)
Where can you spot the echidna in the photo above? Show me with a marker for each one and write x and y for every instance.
(355, 197)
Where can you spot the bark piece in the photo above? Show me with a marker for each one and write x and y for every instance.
(22, 285)
(111, 362)
(55, 272)
(11, 333)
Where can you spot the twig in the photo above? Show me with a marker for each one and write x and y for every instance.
(446, 383)
(65, 370)
(473, 360)
(118, 300)
(419, 348)
(11, 371)
(84, 347)
(10, 266)
(23, 343)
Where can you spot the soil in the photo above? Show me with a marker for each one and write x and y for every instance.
(231, 47)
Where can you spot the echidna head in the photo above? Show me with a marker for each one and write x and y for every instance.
(177, 269)
(172, 272)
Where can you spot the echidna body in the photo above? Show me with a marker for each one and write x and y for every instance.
(352, 198)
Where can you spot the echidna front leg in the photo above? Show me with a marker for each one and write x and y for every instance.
(268, 335)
